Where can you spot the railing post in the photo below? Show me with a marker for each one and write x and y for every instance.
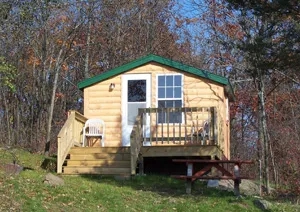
(162, 125)
(136, 141)
(59, 156)
(156, 125)
(150, 123)
(168, 124)
(175, 111)
(185, 127)
(212, 124)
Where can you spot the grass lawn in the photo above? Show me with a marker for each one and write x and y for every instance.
(27, 192)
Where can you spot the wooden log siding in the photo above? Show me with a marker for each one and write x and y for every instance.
(186, 132)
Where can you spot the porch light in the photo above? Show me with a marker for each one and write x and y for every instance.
(112, 86)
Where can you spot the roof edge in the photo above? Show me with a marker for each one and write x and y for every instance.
(114, 72)
(161, 60)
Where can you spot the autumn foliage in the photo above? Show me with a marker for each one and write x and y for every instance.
(47, 47)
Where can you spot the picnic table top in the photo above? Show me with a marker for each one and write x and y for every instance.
(212, 161)
(210, 177)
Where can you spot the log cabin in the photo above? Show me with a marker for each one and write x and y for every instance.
(152, 109)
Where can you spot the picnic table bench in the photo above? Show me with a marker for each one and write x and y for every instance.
(192, 174)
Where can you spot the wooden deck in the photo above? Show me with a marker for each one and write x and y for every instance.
(164, 142)
(180, 151)
(117, 160)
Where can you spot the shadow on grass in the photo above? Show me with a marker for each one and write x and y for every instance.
(163, 185)
(49, 164)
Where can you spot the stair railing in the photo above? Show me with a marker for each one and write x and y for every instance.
(69, 136)
(136, 142)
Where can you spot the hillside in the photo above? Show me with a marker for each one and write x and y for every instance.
(26, 191)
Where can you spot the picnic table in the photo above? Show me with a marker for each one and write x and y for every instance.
(193, 174)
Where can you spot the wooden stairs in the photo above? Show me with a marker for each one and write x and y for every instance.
(98, 160)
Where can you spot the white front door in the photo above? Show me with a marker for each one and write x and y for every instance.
(136, 93)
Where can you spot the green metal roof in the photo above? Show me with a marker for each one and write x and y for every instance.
(164, 61)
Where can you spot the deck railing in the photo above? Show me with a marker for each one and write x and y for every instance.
(172, 126)
(187, 125)
(69, 136)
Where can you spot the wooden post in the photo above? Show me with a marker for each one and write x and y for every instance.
(189, 180)
(141, 164)
(237, 181)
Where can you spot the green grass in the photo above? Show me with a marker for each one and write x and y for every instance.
(27, 192)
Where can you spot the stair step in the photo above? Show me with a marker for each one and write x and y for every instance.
(102, 163)
(90, 150)
(97, 156)
(98, 160)
(96, 170)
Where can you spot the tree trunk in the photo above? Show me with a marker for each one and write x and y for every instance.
(263, 130)
(7, 120)
(87, 55)
(51, 107)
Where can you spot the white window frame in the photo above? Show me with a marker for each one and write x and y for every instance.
(182, 86)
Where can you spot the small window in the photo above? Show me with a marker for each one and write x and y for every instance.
(169, 93)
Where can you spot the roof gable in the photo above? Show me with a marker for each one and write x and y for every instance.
(161, 60)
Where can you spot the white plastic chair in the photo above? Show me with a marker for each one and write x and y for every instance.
(205, 132)
(206, 129)
(93, 128)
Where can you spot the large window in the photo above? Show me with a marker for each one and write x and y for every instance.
(169, 93)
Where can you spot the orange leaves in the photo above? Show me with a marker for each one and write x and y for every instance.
(64, 67)
(32, 59)
(234, 31)
(59, 41)
(231, 30)
(191, 20)
(59, 95)
(63, 18)
(179, 22)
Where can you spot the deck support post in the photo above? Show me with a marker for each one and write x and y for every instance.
(189, 180)
(237, 181)
(141, 164)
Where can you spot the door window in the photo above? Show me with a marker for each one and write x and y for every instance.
(137, 95)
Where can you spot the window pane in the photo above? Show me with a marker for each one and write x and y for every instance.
(169, 103)
(161, 93)
(136, 90)
(161, 80)
(177, 103)
(169, 80)
(161, 103)
(132, 111)
(161, 115)
(177, 80)
(177, 92)
(175, 117)
(169, 93)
